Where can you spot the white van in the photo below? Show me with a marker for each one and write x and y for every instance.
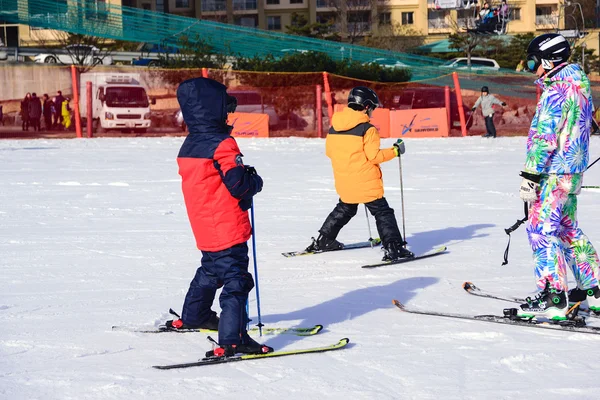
(248, 101)
(476, 63)
(119, 101)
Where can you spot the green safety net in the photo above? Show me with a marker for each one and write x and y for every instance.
(137, 25)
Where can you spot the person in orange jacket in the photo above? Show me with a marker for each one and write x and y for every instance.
(353, 147)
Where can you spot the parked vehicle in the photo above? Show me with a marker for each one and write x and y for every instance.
(119, 101)
(89, 55)
(389, 63)
(148, 49)
(427, 97)
(3, 53)
(248, 101)
(476, 63)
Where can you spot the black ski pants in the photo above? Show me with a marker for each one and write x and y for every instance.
(387, 226)
(489, 126)
(228, 269)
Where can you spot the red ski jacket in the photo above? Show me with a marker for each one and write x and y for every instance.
(217, 186)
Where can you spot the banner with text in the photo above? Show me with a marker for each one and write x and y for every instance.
(249, 124)
(426, 122)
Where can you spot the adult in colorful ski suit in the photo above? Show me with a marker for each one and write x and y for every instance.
(218, 190)
(557, 156)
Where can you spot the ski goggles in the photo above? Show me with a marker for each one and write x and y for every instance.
(533, 63)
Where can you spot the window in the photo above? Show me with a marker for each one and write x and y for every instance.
(274, 23)
(248, 21)
(296, 1)
(147, 6)
(515, 14)
(272, 1)
(160, 5)
(385, 18)
(438, 19)
(182, 3)
(407, 18)
(214, 5)
(483, 63)
(96, 10)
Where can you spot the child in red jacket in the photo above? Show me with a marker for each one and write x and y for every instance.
(218, 189)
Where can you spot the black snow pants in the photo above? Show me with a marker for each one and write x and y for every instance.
(387, 226)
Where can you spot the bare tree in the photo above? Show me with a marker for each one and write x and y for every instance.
(394, 37)
(352, 17)
(465, 41)
(83, 51)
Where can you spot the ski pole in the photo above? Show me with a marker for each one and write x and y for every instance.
(260, 324)
(369, 226)
(468, 120)
(590, 166)
(402, 198)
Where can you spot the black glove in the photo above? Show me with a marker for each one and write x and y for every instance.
(252, 171)
(503, 104)
(473, 109)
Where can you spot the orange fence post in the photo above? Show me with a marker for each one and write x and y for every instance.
(90, 114)
(459, 102)
(448, 105)
(76, 100)
(319, 111)
(205, 72)
(328, 95)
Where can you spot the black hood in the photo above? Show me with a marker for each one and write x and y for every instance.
(203, 104)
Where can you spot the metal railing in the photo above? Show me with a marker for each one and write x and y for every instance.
(244, 5)
(214, 5)
(546, 19)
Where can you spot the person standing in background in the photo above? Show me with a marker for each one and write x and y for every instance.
(25, 112)
(487, 102)
(35, 112)
(58, 104)
(47, 108)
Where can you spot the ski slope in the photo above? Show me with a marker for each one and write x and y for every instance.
(94, 233)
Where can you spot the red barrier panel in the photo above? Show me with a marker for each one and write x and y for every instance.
(249, 124)
(381, 120)
(426, 122)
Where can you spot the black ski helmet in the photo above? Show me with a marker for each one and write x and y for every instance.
(485, 89)
(364, 98)
(546, 48)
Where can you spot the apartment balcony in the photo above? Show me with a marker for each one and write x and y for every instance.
(214, 5)
(466, 22)
(350, 4)
(244, 5)
(546, 20)
(359, 27)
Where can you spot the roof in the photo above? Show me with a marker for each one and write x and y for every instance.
(443, 46)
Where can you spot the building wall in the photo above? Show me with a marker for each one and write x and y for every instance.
(31, 36)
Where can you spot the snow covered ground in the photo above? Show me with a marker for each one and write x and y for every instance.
(94, 233)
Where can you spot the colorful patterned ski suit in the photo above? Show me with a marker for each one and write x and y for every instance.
(558, 149)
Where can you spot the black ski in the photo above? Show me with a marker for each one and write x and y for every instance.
(298, 331)
(351, 246)
(510, 318)
(435, 252)
(476, 291)
(245, 357)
